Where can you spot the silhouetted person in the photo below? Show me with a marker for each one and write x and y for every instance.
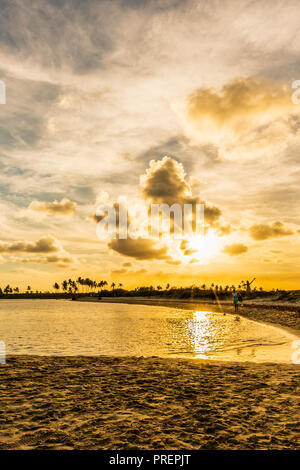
(235, 301)
(248, 286)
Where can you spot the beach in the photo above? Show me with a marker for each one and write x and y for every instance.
(136, 402)
(146, 403)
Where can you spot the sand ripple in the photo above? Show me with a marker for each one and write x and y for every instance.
(140, 403)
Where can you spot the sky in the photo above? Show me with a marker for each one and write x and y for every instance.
(137, 102)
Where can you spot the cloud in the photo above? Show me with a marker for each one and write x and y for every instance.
(118, 271)
(224, 230)
(184, 246)
(140, 271)
(240, 102)
(174, 262)
(164, 182)
(46, 244)
(264, 231)
(140, 248)
(64, 207)
(61, 260)
(247, 113)
(95, 218)
(235, 249)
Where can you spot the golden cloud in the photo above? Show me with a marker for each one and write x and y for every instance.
(246, 112)
(235, 249)
(46, 244)
(264, 231)
(62, 260)
(140, 248)
(64, 207)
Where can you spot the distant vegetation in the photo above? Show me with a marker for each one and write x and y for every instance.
(87, 287)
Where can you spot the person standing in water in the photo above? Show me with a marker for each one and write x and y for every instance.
(235, 301)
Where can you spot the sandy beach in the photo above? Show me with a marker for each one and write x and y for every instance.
(146, 403)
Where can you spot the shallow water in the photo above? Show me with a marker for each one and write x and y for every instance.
(62, 327)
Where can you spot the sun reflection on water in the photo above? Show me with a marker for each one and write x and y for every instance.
(199, 334)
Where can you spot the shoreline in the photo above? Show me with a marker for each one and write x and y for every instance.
(273, 315)
(124, 403)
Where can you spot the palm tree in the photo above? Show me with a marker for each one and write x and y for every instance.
(80, 281)
(56, 286)
(7, 289)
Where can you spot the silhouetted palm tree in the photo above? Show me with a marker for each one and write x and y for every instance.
(7, 289)
(56, 286)
(64, 286)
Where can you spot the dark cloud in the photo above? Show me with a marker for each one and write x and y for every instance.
(140, 248)
(45, 244)
(235, 249)
(165, 182)
(264, 231)
(95, 218)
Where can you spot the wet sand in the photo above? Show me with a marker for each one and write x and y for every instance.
(147, 403)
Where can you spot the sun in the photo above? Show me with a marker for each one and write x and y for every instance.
(206, 246)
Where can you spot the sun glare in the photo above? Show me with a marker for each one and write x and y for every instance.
(205, 246)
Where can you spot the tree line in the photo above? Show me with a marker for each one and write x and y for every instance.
(86, 286)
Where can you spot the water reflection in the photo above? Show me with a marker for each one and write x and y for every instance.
(199, 333)
(73, 328)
